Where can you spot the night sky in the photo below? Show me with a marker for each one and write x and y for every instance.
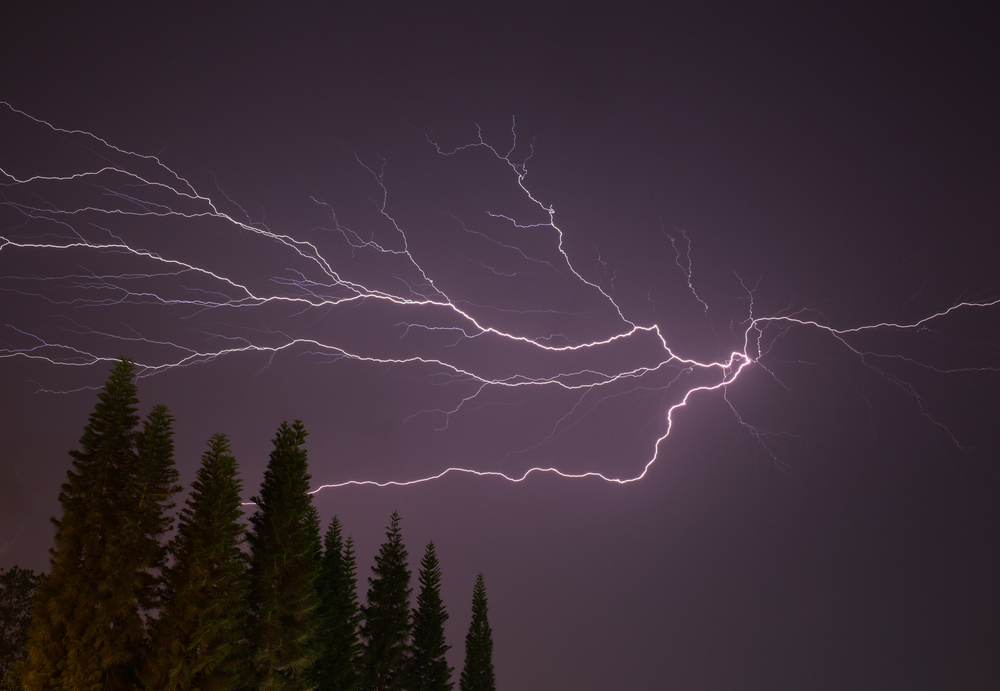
(828, 520)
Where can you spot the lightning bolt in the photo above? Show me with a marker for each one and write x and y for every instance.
(115, 208)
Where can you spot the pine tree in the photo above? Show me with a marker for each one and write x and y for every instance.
(87, 630)
(153, 483)
(198, 638)
(478, 672)
(337, 668)
(429, 670)
(386, 630)
(284, 567)
(134, 546)
(17, 590)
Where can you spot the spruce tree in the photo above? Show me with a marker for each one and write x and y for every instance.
(87, 631)
(429, 670)
(198, 640)
(284, 567)
(337, 668)
(478, 672)
(386, 630)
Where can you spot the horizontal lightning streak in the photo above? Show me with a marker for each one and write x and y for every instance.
(335, 291)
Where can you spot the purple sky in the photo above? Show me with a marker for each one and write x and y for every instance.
(828, 521)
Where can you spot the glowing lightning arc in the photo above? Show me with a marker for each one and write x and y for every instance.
(135, 188)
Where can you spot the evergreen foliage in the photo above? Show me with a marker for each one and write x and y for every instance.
(198, 640)
(429, 670)
(337, 668)
(284, 617)
(87, 629)
(478, 672)
(284, 567)
(387, 626)
(17, 590)
(153, 482)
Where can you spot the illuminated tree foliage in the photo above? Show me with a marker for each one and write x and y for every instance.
(478, 672)
(284, 567)
(286, 617)
(87, 629)
(387, 626)
(17, 588)
(429, 670)
(198, 638)
(337, 667)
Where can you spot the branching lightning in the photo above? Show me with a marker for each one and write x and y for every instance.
(122, 209)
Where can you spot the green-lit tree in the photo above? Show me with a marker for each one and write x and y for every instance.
(198, 640)
(337, 667)
(17, 590)
(478, 672)
(387, 625)
(284, 567)
(429, 670)
(87, 630)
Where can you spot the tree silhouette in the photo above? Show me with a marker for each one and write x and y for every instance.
(478, 672)
(284, 567)
(429, 670)
(337, 668)
(198, 638)
(87, 629)
(386, 630)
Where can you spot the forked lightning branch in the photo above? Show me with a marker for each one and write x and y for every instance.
(102, 236)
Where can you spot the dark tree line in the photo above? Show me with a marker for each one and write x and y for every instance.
(222, 606)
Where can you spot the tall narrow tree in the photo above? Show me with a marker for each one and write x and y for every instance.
(478, 672)
(198, 638)
(152, 485)
(386, 630)
(429, 670)
(87, 630)
(337, 668)
(284, 566)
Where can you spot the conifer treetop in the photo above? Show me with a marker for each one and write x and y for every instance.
(198, 640)
(429, 670)
(88, 631)
(387, 626)
(285, 564)
(478, 672)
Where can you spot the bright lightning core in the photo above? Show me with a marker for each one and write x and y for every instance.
(484, 316)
